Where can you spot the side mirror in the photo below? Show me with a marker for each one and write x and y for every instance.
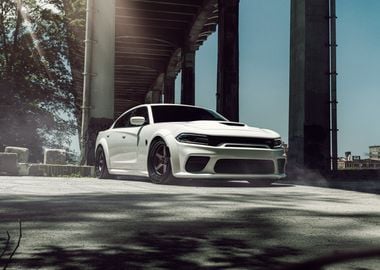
(137, 120)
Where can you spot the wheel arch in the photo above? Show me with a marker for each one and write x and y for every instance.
(103, 144)
(169, 140)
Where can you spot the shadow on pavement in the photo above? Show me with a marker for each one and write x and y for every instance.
(161, 252)
(151, 231)
(367, 186)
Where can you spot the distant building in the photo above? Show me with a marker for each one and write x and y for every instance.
(348, 156)
(374, 152)
(350, 162)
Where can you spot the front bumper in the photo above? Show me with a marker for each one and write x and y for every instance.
(214, 157)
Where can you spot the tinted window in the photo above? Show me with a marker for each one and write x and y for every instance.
(142, 111)
(183, 114)
(124, 121)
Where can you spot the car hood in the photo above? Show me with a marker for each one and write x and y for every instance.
(226, 128)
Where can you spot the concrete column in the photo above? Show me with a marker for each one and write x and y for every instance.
(188, 77)
(96, 125)
(309, 108)
(169, 88)
(100, 80)
(228, 59)
(153, 96)
(103, 60)
(156, 96)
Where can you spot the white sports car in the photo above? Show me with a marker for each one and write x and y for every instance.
(167, 141)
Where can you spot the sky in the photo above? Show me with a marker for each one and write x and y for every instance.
(264, 38)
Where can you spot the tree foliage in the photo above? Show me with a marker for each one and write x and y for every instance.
(38, 101)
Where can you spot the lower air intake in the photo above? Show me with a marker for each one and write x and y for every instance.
(244, 166)
(196, 164)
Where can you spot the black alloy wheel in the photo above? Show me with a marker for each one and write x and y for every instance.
(101, 170)
(159, 166)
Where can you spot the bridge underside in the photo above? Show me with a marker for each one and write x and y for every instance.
(151, 36)
(141, 45)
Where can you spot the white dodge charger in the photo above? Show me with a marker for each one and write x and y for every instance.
(168, 141)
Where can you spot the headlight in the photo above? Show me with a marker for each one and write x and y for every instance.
(192, 138)
(277, 143)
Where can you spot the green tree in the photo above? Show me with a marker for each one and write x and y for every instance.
(39, 94)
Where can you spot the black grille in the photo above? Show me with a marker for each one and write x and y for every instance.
(244, 166)
(218, 140)
(196, 164)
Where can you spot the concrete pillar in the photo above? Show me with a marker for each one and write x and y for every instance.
(188, 77)
(103, 60)
(228, 59)
(153, 96)
(309, 108)
(169, 88)
(96, 125)
(101, 78)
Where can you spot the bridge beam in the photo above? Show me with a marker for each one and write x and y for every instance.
(309, 108)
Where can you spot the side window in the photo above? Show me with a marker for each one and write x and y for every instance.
(142, 111)
(124, 120)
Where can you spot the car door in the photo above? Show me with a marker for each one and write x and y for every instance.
(124, 141)
(115, 141)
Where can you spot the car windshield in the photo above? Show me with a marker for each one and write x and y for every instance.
(183, 114)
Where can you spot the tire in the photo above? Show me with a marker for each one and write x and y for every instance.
(101, 170)
(159, 166)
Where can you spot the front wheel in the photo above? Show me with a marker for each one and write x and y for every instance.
(159, 167)
(101, 170)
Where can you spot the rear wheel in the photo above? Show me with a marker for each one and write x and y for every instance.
(101, 170)
(159, 166)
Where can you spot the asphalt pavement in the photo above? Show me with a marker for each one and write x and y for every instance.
(85, 223)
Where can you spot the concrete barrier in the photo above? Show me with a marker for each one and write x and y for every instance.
(23, 169)
(22, 153)
(8, 163)
(61, 170)
(55, 156)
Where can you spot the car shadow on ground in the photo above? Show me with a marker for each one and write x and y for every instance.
(220, 183)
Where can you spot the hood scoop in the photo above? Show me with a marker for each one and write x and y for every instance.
(233, 124)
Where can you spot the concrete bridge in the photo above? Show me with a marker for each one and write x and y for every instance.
(136, 48)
